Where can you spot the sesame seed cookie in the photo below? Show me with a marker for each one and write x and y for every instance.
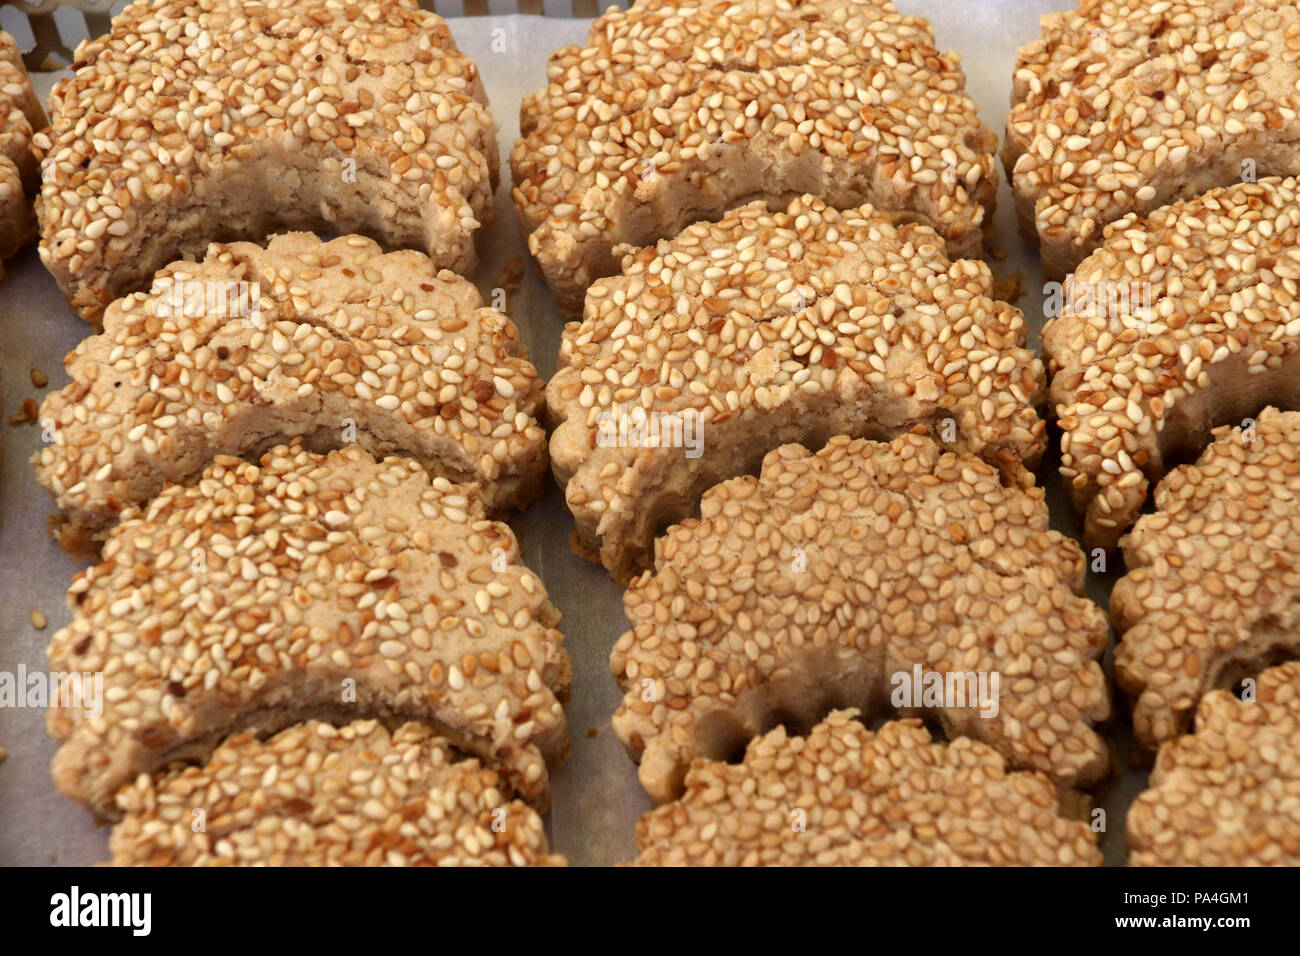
(194, 120)
(320, 795)
(20, 115)
(1209, 335)
(1229, 794)
(345, 343)
(775, 327)
(672, 114)
(847, 796)
(1124, 106)
(309, 587)
(819, 583)
(1213, 589)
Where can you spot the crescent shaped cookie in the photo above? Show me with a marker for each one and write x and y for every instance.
(309, 587)
(848, 796)
(333, 342)
(672, 114)
(1228, 794)
(195, 120)
(1124, 106)
(862, 576)
(736, 337)
(1213, 588)
(1182, 321)
(320, 795)
(20, 116)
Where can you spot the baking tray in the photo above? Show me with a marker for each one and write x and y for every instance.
(596, 796)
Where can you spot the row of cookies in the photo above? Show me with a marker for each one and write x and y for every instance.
(1147, 148)
(151, 378)
(1220, 796)
(980, 379)
(798, 323)
(235, 606)
(813, 586)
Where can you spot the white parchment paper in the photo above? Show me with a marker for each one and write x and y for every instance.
(597, 799)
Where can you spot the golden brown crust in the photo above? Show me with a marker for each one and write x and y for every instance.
(320, 795)
(1213, 589)
(200, 119)
(848, 796)
(821, 582)
(1228, 794)
(331, 587)
(673, 113)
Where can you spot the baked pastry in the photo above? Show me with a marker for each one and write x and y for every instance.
(1124, 106)
(194, 120)
(1187, 319)
(320, 795)
(311, 587)
(736, 337)
(675, 113)
(858, 577)
(847, 796)
(340, 343)
(1213, 589)
(20, 115)
(1228, 794)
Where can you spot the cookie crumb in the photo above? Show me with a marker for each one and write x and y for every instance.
(39, 378)
(1010, 288)
(4, 754)
(26, 414)
(592, 733)
(998, 253)
(38, 619)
